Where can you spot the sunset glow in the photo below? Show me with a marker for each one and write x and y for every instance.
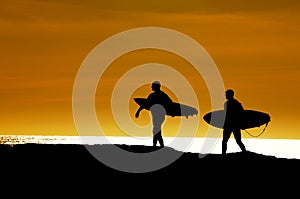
(43, 44)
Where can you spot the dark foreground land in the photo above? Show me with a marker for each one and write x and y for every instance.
(74, 165)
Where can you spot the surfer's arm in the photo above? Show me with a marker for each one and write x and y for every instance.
(225, 106)
(168, 99)
(137, 114)
(241, 107)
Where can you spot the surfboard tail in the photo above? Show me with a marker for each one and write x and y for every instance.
(188, 111)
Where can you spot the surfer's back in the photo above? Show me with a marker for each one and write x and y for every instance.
(233, 106)
(159, 97)
(233, 110)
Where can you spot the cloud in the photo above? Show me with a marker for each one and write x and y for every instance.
(180, 6)
(77, 9)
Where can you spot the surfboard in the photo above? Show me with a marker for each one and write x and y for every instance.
(174, 109)
(248, 119)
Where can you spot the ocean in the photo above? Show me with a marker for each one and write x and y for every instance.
(281, 148)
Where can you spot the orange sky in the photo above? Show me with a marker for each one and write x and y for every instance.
(43, 44)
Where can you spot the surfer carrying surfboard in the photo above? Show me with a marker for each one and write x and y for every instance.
(233, 110)
(157, 101)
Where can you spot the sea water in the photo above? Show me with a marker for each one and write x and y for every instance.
(281, 148)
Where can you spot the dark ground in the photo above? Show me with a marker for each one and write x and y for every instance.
(59, 166)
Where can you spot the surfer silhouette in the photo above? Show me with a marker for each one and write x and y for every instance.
(233, 110)
(157, 101)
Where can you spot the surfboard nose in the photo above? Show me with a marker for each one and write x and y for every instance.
(192, 114)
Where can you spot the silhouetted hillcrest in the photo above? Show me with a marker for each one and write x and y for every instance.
(74, 165)
(67, 154)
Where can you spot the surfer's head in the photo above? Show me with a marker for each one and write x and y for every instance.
(156, 86)
(229, 94)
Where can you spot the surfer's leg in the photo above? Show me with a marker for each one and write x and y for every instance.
(158, 118)
(160, 139)
(238, 138)
(154, 139)
(157, 136)
(156, 131)
(226, 136)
